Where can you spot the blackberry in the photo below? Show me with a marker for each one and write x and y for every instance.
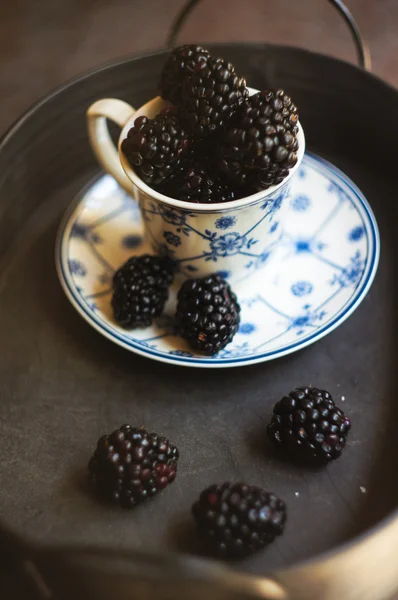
(238, 519)
(261, 147)
(276, 106)
(131, 465)
(140, 290)
(155, 147)
(182, 63)
(207, 313)
(195, 182)
(308, 423)
(211, 96)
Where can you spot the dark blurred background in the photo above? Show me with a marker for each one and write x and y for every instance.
(43, 43)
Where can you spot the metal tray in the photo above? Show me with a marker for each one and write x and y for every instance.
(62, 385)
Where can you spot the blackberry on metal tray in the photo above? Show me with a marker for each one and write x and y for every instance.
(140, 290)
(131, 465)
(307, 422)
(260, 148)
(181, 64)
(211, 96)
(155, 147)
(238, 519)
(207, 313)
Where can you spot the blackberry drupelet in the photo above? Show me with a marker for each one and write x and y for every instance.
(140, 290)
(260, 147)
(182, 63)
(131, 465)
(211, 96)
(207, 313)
(308, 423)
(155, 147)
(238, 519)
(195, 182)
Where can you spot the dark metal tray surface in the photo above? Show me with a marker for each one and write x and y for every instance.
(63, 385)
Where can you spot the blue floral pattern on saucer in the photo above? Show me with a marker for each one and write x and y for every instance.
(318, 273)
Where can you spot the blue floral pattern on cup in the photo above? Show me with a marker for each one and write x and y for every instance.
(172, 239)
(240, 240)
(225, 222)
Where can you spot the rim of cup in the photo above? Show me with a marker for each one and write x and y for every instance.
(193, 206)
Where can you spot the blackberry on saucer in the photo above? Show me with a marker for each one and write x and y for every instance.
(211, 96)
(131, 465)
(238, 519)
(140, 290)
(182, 63)
(207, 313)
(261, 146)
(308, 423)
(155, 147)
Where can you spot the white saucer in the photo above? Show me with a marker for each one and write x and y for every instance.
(318, 275)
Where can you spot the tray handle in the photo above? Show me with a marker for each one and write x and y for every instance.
(362, 49)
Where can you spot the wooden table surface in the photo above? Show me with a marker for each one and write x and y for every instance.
(44, 43)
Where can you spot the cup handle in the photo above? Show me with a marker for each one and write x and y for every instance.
(100, 140)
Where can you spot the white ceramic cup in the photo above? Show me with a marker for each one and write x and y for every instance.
(234, 238)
